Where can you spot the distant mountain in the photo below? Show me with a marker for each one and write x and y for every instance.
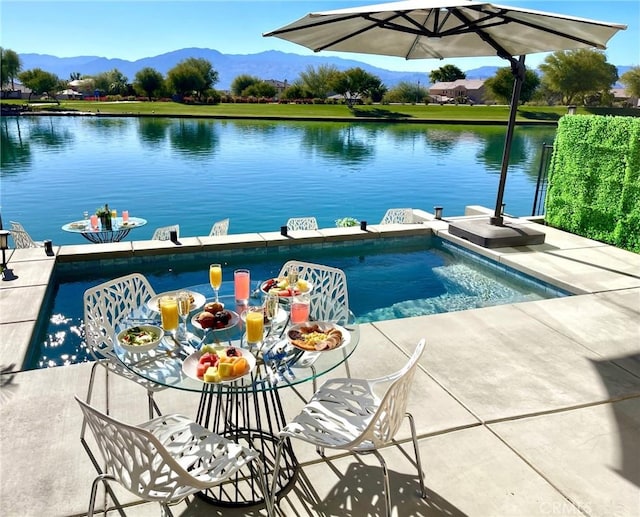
(271, 64)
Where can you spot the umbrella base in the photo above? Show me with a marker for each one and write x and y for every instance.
(509, 234)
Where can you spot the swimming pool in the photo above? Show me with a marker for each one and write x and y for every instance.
(387, 279)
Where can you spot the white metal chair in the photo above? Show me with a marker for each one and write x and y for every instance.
(302, 223)
(357, 415)
(398, 216)
(329, 300)
(105, 305)
(163, 233)
(219, 228)
(330, 294)
(167, 458)
(21, 238)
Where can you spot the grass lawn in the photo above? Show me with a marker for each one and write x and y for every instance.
(395, 112)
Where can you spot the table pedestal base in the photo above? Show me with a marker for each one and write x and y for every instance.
(252, 418)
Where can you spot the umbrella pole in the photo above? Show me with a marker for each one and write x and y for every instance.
(518, 70)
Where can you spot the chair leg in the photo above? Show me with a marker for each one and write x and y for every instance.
(153, 406)
(166, 511)
(276, 467)
(99, 470)
(263, 482)
(416, 450)
(105, 478)
(92, 378)
(387, 489)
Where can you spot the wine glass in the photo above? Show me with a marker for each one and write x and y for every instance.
(184, 307)
(215, 278)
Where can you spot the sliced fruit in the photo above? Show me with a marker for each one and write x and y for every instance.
(240, 367)
(225, 370)
(212, 375)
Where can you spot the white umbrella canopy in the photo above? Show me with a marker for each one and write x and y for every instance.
(428, 29)
(423, 29)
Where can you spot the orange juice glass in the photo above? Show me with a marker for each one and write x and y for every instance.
(255, 324)
(169, 313)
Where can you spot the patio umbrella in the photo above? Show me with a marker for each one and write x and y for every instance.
(427, 29)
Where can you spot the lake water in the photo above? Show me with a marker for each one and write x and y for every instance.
(193, 172)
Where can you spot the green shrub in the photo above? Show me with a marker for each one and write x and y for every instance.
(594, 179)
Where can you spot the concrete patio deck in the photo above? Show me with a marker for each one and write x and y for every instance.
(530, 409)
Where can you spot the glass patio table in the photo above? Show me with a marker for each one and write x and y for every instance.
(247, 410)
(97, 235)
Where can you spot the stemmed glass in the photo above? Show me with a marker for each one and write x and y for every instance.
(184, 307)
(215, 278)
(292, 279)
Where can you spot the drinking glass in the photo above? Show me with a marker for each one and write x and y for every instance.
(85, 215)
(292, 278)
(271, 307)
(94, 221)
(255, 325)
(169, 313)
(125, 216)
(184, 307)
(215, 278)
(241, 281)
(300, 308)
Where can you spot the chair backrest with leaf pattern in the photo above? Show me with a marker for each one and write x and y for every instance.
(219, 228)
(302, 223)
(398, 216)
(105, 305)
(163, 233)
(330, 293)
(385, 423)
(21, 238)
(143, 465)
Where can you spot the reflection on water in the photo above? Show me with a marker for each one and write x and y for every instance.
(15, 151)
(193, 172)
(193, 139)
(429, 277)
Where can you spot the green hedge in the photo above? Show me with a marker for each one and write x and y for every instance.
(594, 179)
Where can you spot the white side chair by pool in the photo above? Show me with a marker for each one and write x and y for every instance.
(167, 458)
(219, 228)
(163, 233)
(329, 294)
(329, 298)
(21, 238)
(302, 223)
(398, 216)
(357, 415)
(105, 306)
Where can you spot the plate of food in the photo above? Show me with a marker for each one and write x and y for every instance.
(221, 319)
(80, 225)
(197, 300)
(140, 338)
(219, 364)
(318, 336)
(281, 287)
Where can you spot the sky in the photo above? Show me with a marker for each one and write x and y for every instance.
(136, 29)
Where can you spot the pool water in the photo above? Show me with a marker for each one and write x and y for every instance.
(410, 277)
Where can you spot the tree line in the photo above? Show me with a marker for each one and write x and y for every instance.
(566, 77)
